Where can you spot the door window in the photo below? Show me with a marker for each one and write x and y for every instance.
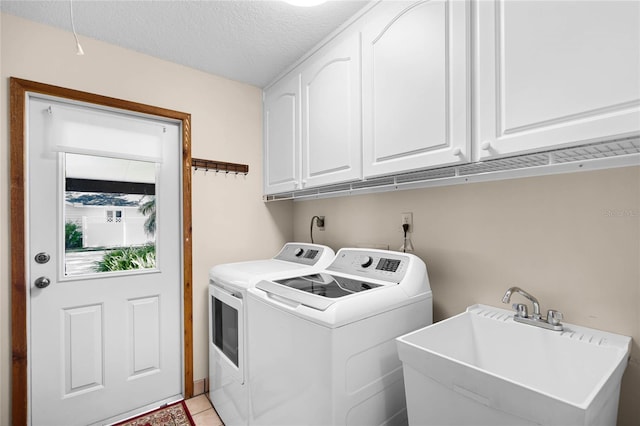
(109, 215)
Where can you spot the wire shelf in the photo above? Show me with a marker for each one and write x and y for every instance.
(596, 155)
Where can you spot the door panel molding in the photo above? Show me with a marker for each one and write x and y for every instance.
(82, 339)
(19, 339)
(144, 335)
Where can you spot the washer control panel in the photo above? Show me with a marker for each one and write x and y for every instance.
(379, 264)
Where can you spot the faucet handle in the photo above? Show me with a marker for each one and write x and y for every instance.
(554, 317)
(521, 310)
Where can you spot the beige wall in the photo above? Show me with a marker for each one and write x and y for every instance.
(228, 212)
(572, 240)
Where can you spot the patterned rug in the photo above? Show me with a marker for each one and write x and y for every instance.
(175, 414)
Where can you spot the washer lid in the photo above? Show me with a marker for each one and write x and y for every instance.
(318, 291)
(326, 285)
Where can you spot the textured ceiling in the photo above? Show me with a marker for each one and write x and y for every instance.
(247, 41)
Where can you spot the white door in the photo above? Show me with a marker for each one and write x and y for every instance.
(415, 86)
(331, 135)
(102, 345)
(555, 73)
(282, 135)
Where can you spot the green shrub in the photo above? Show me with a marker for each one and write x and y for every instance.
(72, 236)
(128, 258)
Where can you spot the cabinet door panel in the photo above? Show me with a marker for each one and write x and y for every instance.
(281, 136)
(415, 82)
(331, 138)
(556, 73)
(328, 133)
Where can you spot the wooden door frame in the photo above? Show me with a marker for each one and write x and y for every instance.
(19, 287)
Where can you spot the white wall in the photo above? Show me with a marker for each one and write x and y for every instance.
(230, 221)
(573, 241)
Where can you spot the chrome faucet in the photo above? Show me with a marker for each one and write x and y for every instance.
(551, 322)
(536, 305)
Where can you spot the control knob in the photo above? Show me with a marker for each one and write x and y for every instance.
(366, 261)
(298, 252)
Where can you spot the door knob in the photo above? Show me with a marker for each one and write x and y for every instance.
(42, 282)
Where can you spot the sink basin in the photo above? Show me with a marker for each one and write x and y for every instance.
(483, 368)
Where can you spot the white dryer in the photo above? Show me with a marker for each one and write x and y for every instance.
(228, 284)
(323, 345)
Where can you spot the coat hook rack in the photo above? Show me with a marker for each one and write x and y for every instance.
(219, 166)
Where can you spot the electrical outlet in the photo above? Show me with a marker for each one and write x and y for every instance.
(320, 223)
(407, 218)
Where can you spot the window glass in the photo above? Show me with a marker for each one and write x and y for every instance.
(225, 329)
(109, 215)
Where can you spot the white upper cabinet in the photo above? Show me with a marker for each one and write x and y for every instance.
(555, 73)
(394, 91)
(331, 123)
(282, 135)
(415, 86)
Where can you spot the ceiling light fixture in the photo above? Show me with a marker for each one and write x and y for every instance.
(79, 50)
(305, 3)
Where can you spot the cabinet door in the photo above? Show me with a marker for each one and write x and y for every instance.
(415, 76)
(282, 135)
(555, 73)
(331, 135)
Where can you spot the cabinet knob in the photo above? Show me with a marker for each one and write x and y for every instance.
(304, 183)
(457, 152)
(486, 146)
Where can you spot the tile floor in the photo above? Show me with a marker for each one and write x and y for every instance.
(202, 412)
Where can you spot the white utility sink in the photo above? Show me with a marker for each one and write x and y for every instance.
(483, 368)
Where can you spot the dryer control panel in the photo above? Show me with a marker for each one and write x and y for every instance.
(378, 264)
(305, 254)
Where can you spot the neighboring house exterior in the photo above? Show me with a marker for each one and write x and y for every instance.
(108, 226)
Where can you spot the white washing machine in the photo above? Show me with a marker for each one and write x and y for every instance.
(228, 284)
(323, 346)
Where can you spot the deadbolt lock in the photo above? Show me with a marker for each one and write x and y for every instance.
(42, 258)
